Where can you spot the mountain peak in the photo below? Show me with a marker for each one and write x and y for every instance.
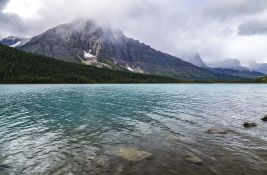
(194, 59)
(91, 43)
(14, 41)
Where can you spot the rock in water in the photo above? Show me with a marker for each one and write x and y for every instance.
(249, 125)
(193, 159)
(132, 154)
(102, 162)
(3, 167)
(216, 131)
(264, 118)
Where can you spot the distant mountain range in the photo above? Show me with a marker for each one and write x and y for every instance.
(228, 64)
(88, 43)
(259, 67)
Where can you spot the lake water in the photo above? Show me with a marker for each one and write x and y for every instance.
(91, 129)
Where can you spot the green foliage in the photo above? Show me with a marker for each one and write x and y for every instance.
(21, 67)
(258, 80)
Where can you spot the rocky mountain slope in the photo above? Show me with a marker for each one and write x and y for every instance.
(89, 43)
(13, 41)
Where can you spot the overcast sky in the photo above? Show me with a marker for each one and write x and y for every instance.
(216, 29)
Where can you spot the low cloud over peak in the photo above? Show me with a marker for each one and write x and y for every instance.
(215, 29)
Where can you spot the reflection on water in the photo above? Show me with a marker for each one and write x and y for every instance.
(132, 129)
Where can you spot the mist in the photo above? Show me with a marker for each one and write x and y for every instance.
(214, 29)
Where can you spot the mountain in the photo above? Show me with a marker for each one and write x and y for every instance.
(89, 43)
(194, 59)
(13, 41)
(228, 64)
(236, 68)
(239, 73)
(21, 67)
(259, 67)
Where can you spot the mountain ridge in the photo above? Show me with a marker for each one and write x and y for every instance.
(228, 64)
(14, 41)
(71, 42)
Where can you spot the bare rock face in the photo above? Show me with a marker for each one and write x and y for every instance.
(132, 154)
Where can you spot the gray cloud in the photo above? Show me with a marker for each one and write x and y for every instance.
(10, 23)
(3, 3)
(234, 8)
(253, 27)
(211, 28)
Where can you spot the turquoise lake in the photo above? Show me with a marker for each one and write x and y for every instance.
(83, 129)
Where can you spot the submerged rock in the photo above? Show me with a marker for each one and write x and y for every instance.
(3, 167)
(264, 118)
(102, 162)
(216, 131)
(194, 159)
(249, 125)
(179, 140)
(132, 154)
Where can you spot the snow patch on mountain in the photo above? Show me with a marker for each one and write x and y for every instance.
(88, 55)
(130, 69)
(16, 44)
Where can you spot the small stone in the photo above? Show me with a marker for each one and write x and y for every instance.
(193, 159)
(216, 131)
(132, 154)
(249, 125)
(264, 118)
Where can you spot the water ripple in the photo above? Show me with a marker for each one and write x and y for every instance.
(74, 129)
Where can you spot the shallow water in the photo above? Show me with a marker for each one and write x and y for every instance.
(78, 129)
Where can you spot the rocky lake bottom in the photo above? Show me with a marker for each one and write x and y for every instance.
(145, 129)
